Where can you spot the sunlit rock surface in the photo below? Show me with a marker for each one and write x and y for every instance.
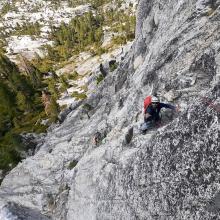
(172, 172)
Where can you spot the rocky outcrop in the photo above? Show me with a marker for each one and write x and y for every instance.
(14, 211)
(172, 172)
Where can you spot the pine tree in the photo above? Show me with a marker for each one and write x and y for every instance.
(34, 74)
(53, 109)
(7, 68)
(65, 84)
(23, 103)
(7, 101)
(53, 89)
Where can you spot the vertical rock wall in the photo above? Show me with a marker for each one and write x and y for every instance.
(170, 173)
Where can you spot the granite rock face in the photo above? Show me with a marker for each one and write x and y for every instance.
(172, 172)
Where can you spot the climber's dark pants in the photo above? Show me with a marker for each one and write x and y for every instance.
(152, 120)
(151, 123)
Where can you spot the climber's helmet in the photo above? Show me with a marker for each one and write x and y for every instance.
(155, 101)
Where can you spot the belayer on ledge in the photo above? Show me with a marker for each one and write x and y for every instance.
(152, 107)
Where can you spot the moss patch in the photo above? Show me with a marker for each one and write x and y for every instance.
(79, 96)
(72, 164)
(99, 79)
(113, 66)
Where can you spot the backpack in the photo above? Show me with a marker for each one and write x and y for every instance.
(147, 102)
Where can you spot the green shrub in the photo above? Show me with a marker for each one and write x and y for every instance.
(99, 51)
(7, 7)
(27, 29)
(87, 107)
(119, 40)
(113, 66)
(84, 88)
(73, 76)
(53, 110)
(64, 83)
(99, 79)
(72, 164)
(78, 95)
(10, 145)
(44, 65)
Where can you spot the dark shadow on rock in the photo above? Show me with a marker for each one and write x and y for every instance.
(129, 135)
(205, 67)
(102, 70)
(62, 116)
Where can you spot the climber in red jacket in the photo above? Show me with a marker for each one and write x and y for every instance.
(152, 107)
